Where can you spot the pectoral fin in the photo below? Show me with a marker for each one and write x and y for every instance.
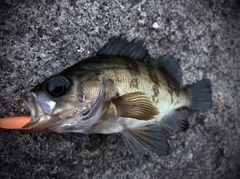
(146, 138)
(94, 141)
(135, 105)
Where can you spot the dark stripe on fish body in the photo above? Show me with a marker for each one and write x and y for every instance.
(177, 92)
(134, 83)
(152, 75)
(176, 102)
(132, 66)
(117, 78)
(171, 94)
(155, 93)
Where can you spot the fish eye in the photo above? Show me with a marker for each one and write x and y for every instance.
(57, 86)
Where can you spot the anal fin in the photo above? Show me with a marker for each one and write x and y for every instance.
(175, 121)
(150, 137)
(135, 105)
(134, 147)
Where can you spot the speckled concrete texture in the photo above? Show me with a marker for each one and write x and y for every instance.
(40, 38)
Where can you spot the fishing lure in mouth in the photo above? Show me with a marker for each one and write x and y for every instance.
(121, 89)
(14, 122)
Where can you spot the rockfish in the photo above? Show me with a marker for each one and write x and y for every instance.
(119, 90)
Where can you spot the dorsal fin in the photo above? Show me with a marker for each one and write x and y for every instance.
(166, 64)
(169, 67)
(121, 47)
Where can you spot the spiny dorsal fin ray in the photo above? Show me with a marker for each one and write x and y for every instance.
(166, 64)
(135, 105)
(122, 47)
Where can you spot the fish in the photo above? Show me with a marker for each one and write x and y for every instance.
(120, 89)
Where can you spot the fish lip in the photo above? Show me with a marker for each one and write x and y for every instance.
(37, 112)
(30, 100)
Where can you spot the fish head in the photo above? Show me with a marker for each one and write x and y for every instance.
(58, 104)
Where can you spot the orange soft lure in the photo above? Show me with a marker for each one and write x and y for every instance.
(14, 122)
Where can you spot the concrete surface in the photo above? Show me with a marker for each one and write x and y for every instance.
(40, 38)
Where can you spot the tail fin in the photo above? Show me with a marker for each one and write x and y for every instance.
(201, 95)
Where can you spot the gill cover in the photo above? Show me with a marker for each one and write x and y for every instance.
(81, 123)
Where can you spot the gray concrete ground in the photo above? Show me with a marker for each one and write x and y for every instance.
(40, 38)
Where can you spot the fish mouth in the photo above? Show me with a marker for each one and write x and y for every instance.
(40, 109)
